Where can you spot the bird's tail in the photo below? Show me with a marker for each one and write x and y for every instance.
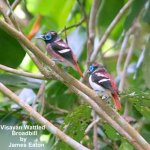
(116, 101)
(78, 69)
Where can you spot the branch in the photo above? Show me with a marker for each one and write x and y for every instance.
(92, 25)
(110, 28)
(13, 6)
(57, 109)
(72, 26)
(121, 53)
(83, 10)
(49, 126)
(95, 139)
(90, 47)
(70, 81)
(3, 10)
(22, 73)
(108, 118)
(62, 75)
(91, 125)
(100, 112)
(129, 55)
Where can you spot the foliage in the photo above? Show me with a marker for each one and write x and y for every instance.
(62, 107)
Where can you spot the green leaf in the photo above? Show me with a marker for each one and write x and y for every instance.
(58, 95)
(11, 53)
(111, 132)
(145, 111)
(57, 10)
(145, 132)
(17, 81)
(136, 7)
(137, 96)
(106, 13)
(75, 125)
(125, 146)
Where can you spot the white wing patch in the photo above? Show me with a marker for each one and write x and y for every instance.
(103, 80)
(95, 86)
(64, 51)
(100, 74)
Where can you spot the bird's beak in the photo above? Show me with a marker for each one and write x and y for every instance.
(40, 37)
(88, 71)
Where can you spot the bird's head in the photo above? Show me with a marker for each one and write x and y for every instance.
(48, 37)
(94, 67)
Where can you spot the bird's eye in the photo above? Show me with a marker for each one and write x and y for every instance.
(91, 68)
(48, 37)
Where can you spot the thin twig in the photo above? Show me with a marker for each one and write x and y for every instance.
(12, 17)
(70, 81)
(121, 54)
(41, 95)
(40, 98)
(106, 117)
(22, 73)
(83, 10)
(90, 47)
(124, 46)
(4, 12)
(91, 125)
(92, 25)
(55, 108)
(13, 6)
(129, 55)
(95, 140)
(110, 28)
(72, 26)
(49, 126)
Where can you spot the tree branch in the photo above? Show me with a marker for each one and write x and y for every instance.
(22, 73)
(49, 126)
(109, 29)
(13, 6)
(92, 25)
(129, 55)
(95, 139)
(70, 81)
(72, 26)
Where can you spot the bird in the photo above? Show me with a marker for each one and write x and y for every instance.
(102, 82)
(59, 50)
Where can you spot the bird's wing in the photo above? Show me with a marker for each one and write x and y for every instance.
(62, 49)
(102, 80)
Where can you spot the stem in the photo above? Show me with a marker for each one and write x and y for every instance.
(110, 28)
(70, 81)
(49, 126)
(95, 140)
(92, 25)
(123, 74)
(22, 73)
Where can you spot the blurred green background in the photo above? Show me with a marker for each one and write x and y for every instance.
(62, 107)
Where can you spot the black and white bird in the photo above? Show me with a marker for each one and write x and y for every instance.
(101, 81)
(60, 51)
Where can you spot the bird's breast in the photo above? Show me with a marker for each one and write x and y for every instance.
(95, 86)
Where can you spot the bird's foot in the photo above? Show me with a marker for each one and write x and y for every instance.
(104, 97)
(56, 60)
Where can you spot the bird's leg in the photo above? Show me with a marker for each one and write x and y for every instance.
(56, 60)
(103, 95)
